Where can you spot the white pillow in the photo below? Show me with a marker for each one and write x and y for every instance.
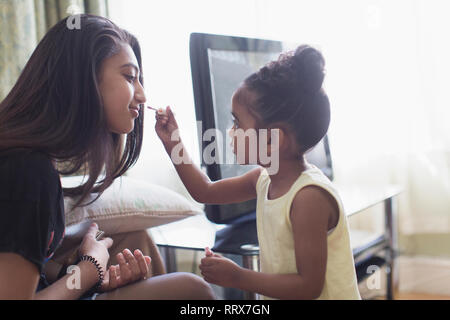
(127, 205)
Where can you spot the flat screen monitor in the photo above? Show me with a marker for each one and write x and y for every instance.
(219, 64)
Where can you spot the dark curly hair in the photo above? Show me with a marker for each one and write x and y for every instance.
(289, 90)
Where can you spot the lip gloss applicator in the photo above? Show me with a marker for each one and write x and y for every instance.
(160, 111)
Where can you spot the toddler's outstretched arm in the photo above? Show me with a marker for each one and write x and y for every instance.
(200, 187)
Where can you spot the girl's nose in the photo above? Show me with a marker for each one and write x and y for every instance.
(139, 94)
(141, 98)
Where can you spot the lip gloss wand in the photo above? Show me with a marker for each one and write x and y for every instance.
(160, 111)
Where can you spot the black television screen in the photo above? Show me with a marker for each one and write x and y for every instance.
(219, 64)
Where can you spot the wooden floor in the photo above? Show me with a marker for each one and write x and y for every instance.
(419, 296)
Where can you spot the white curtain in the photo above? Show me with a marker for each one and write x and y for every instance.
(387, 68)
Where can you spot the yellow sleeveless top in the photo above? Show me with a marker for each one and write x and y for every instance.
(276, 240)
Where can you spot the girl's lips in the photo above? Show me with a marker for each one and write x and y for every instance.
(135, 112)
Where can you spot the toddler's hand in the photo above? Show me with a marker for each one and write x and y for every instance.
(165, 126)
(219, 270)
(208, 252)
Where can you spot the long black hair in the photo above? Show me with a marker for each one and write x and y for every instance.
(56, 108)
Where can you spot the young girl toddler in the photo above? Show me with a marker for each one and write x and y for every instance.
(303, 235)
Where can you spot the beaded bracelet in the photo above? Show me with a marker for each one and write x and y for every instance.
(99, 270)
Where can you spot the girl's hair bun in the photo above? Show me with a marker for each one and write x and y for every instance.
(308, 64)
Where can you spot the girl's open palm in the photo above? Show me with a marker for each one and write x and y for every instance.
(132, 267)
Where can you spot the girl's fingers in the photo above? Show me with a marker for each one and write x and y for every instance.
(206, 268)
(113, 278)
(141, 262)
(161, 117)
(133, 264)
(208, 252)
(148, 260)
(208, 261)
(162, 121)
(207, 279)
(107, 242)
(125, 272)
(92, 231)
